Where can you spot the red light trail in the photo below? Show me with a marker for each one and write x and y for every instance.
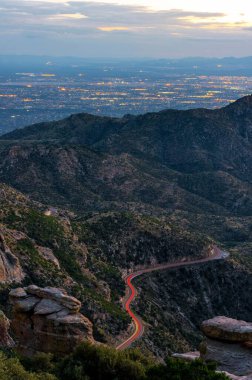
(216, 254)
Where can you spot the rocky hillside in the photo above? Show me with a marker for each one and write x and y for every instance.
(194, 165)
(86, 256)
(130, 192)
(174, 303)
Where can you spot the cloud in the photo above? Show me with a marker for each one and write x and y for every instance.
(105, 28)
(68, 16)
(113, 28)
(123, 28)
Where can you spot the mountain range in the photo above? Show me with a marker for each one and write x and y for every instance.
(197, 159)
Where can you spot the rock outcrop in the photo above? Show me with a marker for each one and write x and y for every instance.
(188, 356)
(47, 320)
(5, 340)
(228, 329)
(228, 343)
(47, 254)
(233, 377)
(10, 269)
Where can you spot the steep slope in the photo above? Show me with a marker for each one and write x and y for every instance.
(174, 303)
(48, 252)
(84, 180)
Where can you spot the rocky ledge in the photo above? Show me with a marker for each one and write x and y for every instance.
(47, 320)
(229, 343)
(228, 329)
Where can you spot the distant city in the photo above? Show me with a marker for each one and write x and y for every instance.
(48, 88)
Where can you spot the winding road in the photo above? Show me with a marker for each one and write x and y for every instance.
(131, 292)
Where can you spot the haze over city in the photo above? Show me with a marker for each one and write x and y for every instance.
(35, 89)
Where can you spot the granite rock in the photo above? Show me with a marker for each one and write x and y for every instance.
(47, 320)
(227, 329)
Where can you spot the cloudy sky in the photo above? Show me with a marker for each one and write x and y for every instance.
(126, 28)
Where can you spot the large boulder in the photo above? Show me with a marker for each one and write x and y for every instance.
(188, 356)
(47, 320)
(234, 377)
(231, 357)
(228, 342)
(227, 329)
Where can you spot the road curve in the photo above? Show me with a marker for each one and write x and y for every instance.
(131, 293)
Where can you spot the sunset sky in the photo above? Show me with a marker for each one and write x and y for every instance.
(126, 28)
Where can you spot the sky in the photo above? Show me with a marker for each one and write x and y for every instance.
(126, 28)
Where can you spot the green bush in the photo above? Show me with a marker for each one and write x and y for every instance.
(12, 369)
(92, 362)
(179, 370)
(100, 363)
(103, 363)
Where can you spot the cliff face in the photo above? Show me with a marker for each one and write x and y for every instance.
(47, 320)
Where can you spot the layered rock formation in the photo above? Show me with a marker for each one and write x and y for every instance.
(10, 269)
(47, 320)
(229, 343)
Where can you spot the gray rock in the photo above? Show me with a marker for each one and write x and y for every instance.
(231, 357)
(42, 322)
(47, 307)
(26, 304)
(18, 293)
(227, 329)
(62, 313)
(188, 356)
(233, 377)
(57, 295)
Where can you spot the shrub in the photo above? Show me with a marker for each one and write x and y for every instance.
(12, 369)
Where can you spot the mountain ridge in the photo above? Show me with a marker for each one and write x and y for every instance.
(138, 158)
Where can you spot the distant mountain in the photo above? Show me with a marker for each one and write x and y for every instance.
(197, 160)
